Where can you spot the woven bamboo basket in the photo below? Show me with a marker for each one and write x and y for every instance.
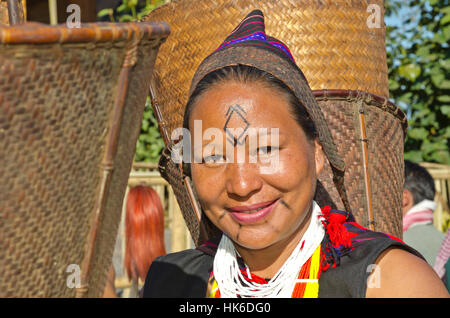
(369, 133)
(71, 105)
(4, 19)
(340, 47)
(4, 16)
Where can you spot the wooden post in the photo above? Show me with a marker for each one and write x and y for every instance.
(178, 227)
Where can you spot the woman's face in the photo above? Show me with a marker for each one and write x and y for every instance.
(254, 205)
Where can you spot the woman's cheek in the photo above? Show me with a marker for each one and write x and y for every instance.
(200, 180)
(207, 184)
(292, 168)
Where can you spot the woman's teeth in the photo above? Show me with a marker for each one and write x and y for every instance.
(253, 211)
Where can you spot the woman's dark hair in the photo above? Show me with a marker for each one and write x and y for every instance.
(248, 74)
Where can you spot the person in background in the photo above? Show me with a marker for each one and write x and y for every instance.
(442, 263)
(144, 233)
(418, 207)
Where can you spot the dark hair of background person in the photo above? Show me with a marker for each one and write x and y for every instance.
(419, 182)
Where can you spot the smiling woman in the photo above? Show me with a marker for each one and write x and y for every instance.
(273, 239)
(239, 199)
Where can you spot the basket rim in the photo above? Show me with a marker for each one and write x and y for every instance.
(375, 100)
(40, 33)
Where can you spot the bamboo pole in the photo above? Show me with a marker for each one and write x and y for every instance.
(364, 149)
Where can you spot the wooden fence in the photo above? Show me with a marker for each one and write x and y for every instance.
(441, 176)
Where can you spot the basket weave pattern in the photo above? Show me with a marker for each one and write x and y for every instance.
(329, 39)
(384, 128)
(57, 102)
(4, 19)
(56, 146)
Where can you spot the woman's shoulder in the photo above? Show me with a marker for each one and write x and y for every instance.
(345, 237)
(351, 253)
(402, 274)
(181, 274)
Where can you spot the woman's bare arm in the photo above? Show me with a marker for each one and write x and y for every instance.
(404, 275)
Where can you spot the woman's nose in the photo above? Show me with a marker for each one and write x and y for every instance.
(242, 179)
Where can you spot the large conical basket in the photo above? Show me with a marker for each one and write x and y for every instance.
(71, 106)
(340, 47)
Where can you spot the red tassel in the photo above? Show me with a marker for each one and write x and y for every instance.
(323, 261)
(325, 214)
(337, 232)
(334, 223)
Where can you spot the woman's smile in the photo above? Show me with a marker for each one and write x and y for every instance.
(252, 213)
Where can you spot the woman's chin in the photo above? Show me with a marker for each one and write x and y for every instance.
(253, 242)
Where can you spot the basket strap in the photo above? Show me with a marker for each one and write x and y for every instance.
(157, 111)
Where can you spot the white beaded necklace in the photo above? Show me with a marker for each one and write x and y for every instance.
(231, 282)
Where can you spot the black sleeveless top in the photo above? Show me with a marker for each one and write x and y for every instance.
(185, 274)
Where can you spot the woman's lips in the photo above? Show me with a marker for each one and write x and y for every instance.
(252, 213)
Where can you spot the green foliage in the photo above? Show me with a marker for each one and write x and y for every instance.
(419, 62)
(106, 12)
(150, 143)
(130, 10)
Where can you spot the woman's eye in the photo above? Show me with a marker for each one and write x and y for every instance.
(266, 150)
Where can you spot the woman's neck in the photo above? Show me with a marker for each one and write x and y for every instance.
(266, 262)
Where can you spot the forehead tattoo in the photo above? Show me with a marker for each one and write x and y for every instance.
(236, 112)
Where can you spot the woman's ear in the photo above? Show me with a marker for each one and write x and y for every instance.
(407, 201)
(319, 157)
